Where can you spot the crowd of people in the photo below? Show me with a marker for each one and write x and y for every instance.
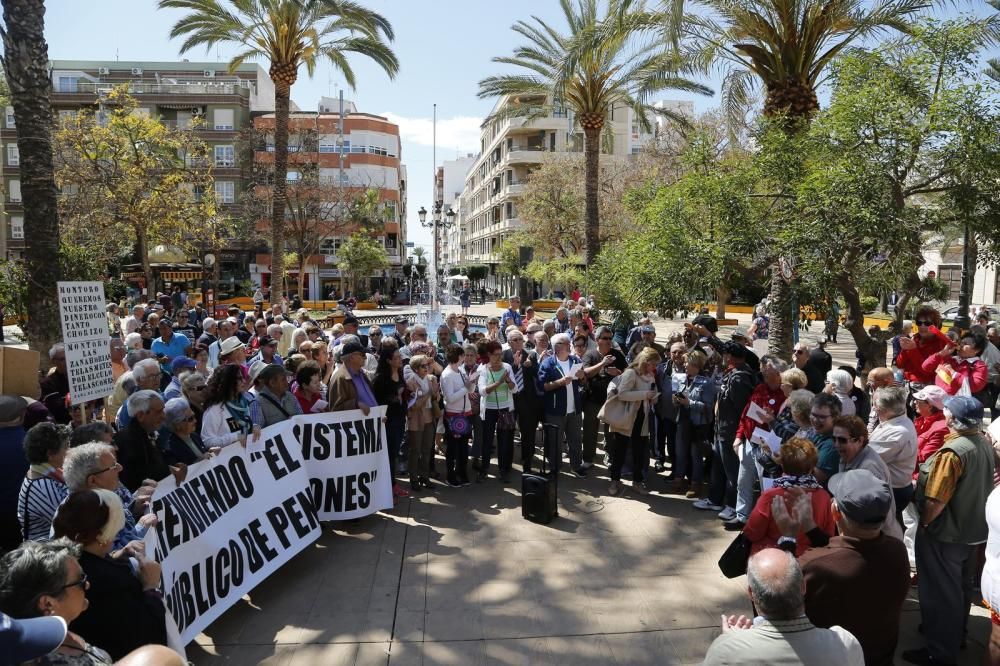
(860, 482)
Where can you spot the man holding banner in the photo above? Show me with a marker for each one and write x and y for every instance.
(349, 386)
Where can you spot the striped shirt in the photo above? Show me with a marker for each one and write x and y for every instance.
(37, 504)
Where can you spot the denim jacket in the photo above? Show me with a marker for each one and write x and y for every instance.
(701, 392)
(555, 400)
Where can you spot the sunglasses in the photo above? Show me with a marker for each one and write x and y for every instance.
(83, 583)
(199, 388)
(374, 335)
(924, 322)
(799, 351)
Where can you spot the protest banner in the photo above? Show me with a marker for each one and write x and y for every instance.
(346, 460)
(235, 519)
(85, 335)
(239, 516)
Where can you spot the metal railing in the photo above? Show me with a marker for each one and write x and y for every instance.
(140, 88)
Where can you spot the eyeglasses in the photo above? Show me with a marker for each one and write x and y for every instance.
(923, 322)
(189, 419)
(799, 351)
(83, 583)
(842, 440)
(819, 417)
(199, 388)
(117, 466)
(374, 335)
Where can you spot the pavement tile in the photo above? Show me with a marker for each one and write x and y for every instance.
(406, 654)
(518, 652)
(273, 628)
(328, 654)
(370, 654)
(517, 619)
(239, 655)
(580, 650)
(453, 625)
(688, 646)
(459, 653)
(409, 626)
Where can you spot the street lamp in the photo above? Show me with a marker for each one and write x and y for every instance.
(434, 224)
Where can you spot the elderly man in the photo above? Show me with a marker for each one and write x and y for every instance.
(647, 339)
(402, 333)
(857, 580)
(418, 336)
(132, 323)
(169, 345)
(269, 351)
(895, 439)
(855, 454)
(805, 362)
(13, 467)
(94, 466)
(277, 403)
(349, 386)
(374, 339)
(351, 328)
(782, 634)
(635, 333)
(951, 498)
(512, 315)
(209, 329)
(560, 377)
(118, 352)
(146, 375)
(671, 370)
(561, 321)
(877, 378)
(137, 448)
(287, 330)
(226, 329)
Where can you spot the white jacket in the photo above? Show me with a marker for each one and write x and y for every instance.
(216, 429)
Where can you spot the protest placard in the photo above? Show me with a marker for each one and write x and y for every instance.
(88, 365)
(234, 521)
(347, 462)
(81, 311)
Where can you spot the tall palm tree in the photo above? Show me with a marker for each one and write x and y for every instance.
(784, 47)
(25, 61)
(993, 69)
(614, 71)
(288, 34)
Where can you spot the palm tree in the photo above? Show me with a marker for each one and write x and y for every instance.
(784, 47)
(614, 71)
(25, 61)
(993, 70)
(288, 34)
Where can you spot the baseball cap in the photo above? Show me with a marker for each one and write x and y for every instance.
(402, 320)
(935, 395)
(12, 408)
(350, 348)
(861, 496)
(229, 345)
(29, 639)
(182, 362)
(966, 410)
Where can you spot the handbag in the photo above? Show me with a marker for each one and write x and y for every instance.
(506, 419)
(459, 425)
(734, 560)
(614, 411)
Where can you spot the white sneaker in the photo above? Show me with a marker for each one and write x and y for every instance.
(705, 505)
(727, 514)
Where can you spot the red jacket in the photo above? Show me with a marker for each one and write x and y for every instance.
(911, 361)
(765, 397)
(763, 532)
(931, 431)
(974, 372)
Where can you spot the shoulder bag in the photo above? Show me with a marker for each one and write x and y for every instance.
(733, 562)
(614, 411)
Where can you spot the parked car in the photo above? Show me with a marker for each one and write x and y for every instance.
(952, 312)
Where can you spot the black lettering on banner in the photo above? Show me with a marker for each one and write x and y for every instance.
(352, 441)
(369, 436)
(342, 493)
(278, 459)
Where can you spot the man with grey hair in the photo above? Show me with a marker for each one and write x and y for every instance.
(781, 634)
(132, 323)
(146, 374)
(418, 336)
(137, 449)
(895, 440)
(226, 330)
(561, 321)
(560, 377)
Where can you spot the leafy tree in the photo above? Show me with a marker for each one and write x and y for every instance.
(993, 71)
(25, 63)
(288, 34)
(129, 181)
(613, 70)
(359, 257)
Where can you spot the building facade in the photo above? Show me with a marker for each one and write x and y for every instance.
(176, 93)
(366, 156)
(946, 262)
(510, 149)
(453, 174)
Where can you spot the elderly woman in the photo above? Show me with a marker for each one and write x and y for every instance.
(497, 387)
(46, 579)
(924, 344)
(840, 383)
(420, 421)
(493, 329)
(321, 354)
(309, 388)
(783, 424)
(637, 391)
(179, 439)
(959, 366)
(194, 389)
(43, 488)
(797, 458)
(793, 419)
(694, 403)
(199, 353)
(931, 426)
(92, 518)
(298, 337)
(133, 341)
(227, 418)
(95, 465)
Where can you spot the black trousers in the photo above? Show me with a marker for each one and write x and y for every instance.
(640, 451)
(528, 416)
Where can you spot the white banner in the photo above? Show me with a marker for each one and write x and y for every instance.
(88, 364)
(347, 462)
(239, 516)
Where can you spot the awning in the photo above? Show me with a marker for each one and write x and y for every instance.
(181, 276)
(133, 274)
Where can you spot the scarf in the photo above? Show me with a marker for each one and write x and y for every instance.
(240, 410)
(48, 471)
(807, 481)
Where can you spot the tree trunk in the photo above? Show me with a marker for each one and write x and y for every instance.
(782, 319)
(26, 58)
(279, 198)
(142, 243)
(722, 295)
(302, 279)
(873, 351)
(591, 157)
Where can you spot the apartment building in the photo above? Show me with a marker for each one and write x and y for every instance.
(945, 260)
(510, 149)
(174, 92)
(366, 156)
(453, 173)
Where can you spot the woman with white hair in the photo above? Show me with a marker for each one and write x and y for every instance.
(125, 611)
(840, 383)
(133, 341)
(179, 439)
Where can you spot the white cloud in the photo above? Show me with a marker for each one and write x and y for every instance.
(459, 133)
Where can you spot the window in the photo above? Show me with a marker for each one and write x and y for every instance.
(953, 276)
(13, 156)
(17, 227)
(184, 119)
(15, 191)
(330, 246)
(223, 119)
(225, 191)
(293, 177)
(390, 211)
(10, 117)
(67, 84)
(225, 156)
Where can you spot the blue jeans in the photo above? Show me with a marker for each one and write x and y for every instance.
(689, 461)
(725, 471)
(744, 482)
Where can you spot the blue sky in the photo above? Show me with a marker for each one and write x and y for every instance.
(444, 47)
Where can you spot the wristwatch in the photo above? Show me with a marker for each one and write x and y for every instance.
(788, 543)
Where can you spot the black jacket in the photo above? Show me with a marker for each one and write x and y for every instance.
(140, 457)
(737, 385)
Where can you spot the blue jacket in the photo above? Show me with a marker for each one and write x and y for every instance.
(555, 400)
(702, 394)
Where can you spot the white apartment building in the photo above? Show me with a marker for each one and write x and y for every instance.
(946, 262)
(452, 184)
(510, 149)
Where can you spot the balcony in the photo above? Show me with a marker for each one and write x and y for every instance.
(525, 155)
(94, 88)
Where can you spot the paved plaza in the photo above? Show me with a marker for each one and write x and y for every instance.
(456, 576)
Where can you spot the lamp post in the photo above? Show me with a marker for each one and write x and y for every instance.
(962, 320)
(434, 224)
